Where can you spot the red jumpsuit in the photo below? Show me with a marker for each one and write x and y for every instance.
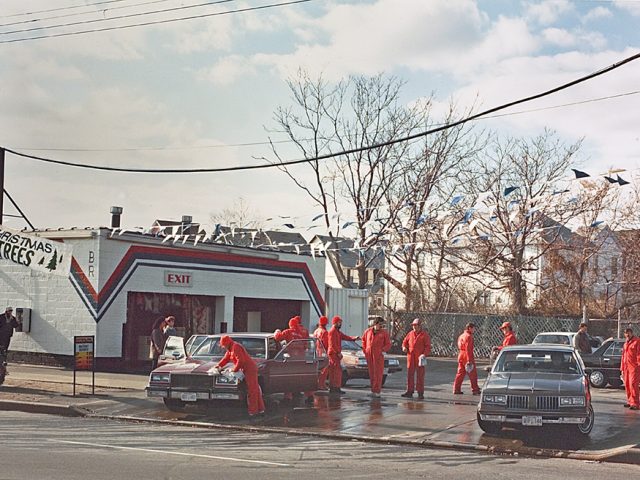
(374, 345)
(509, 339)
(465, 345)
(630, 367)
(322, 335)
(297, 350)
(416, 344)
(335, 355)
(242, 361)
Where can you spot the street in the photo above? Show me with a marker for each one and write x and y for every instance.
(49, 447)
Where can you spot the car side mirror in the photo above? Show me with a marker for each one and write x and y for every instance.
(177, 355)
(487, 369)
(286, 356)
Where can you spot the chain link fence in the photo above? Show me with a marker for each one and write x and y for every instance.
(444, 329)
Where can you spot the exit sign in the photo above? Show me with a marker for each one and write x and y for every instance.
(178, 279)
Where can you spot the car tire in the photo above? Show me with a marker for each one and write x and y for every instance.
(173, 404)
(345, 377)
(384, 379)
(586, 427)
(491, 428)
(598, 379)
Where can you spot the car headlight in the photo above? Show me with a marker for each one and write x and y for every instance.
(572, 401)
(394, 362)
(161, 377)
(362, 361)
(495, 399)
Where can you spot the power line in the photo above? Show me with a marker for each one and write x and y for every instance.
(121, 17)
(76, 14)
(275, 142)
(57, 9)
(159, 22)
(344, 152)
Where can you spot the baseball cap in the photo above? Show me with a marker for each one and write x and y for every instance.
(505, 325)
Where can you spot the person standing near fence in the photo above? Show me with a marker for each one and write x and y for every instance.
(466, 362)
(417, 346)
(630, 368)
(375, 343)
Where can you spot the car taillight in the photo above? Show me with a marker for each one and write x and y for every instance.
(587, 391)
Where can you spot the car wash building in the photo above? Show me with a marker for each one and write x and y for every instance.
(118, 283)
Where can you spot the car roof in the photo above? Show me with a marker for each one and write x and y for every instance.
(539, 347)
(240, 335)
(556, 333)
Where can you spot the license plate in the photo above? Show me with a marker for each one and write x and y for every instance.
(189, 397)
(534, 421)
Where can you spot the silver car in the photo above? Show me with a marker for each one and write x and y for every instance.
(536, 385)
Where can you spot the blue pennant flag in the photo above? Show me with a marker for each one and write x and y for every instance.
(580, 174)
(509, 190)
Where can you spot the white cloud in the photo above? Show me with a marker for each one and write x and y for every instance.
(548, 11)
(596, 14)
(227, 70)
(632, 7)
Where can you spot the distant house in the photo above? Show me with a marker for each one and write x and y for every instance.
(174, 227)
(291, 242)
(342, 255)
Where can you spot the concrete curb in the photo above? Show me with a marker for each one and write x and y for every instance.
(629, 454)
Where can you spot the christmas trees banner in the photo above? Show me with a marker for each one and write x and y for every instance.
(35, 252)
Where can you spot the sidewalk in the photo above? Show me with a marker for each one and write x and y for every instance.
(440, 421)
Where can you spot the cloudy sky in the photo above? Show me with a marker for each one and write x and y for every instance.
(192, 93)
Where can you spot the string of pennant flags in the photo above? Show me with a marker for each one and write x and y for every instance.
(465, 225)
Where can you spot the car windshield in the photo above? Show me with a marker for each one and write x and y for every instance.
(552, 338)
(211, 347)
(536, 361)
(350, 345)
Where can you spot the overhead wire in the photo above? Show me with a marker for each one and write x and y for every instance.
(120, 17)
(158, 22)
(57, 9)
(343, 152)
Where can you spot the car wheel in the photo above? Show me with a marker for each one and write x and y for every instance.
(173, 404)
(489, 427)
(345, 378)
(598, 379)
(585, 427)
(384, 379)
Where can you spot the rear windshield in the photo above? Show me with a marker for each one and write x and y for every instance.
(537, 362)
(211, 347)
(350, 345)
(550, 338)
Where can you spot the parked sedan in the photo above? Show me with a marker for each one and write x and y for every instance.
(535, 385)
(188, 376)
(354, 363)
(564, 338)
(603, 365)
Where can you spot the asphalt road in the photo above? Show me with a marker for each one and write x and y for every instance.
(50, 448)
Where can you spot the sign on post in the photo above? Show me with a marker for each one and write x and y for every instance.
(84, 358)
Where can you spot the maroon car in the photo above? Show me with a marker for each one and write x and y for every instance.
(187, 376)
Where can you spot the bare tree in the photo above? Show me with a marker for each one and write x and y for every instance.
(239, 214)
(349, 117)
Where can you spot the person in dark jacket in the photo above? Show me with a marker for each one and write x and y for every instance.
(581, 340)
(157, 340)
(7, 324)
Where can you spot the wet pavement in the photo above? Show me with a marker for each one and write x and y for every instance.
(440, 420)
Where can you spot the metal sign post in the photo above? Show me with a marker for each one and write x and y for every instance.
(84, 359)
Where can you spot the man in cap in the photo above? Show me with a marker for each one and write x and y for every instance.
(417, 346)
(7, 324)
(237, 354)
(630, 367)
(322, 336)
(375, 343)
(466, 361)
(335, 354)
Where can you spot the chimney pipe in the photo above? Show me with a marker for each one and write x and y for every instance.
(185, 223)
(115, 216)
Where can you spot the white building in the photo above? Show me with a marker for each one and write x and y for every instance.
(119, 284)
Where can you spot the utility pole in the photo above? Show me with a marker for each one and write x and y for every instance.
(1, 184)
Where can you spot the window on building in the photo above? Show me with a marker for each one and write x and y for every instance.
(614, 266)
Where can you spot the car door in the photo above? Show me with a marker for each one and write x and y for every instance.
(173, 351)
(294, 368)
(612, 357)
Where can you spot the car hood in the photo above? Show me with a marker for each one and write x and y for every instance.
(193, 365)
(535, 382)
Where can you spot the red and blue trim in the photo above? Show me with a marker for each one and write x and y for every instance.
(142, 256)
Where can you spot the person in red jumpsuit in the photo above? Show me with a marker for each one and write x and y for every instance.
(509, 339)
(466, 362)
(375, 343)
(630, 367)
(237, 354)
(416, 344)
(335, 355)
(295, 332)
(322, 335)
